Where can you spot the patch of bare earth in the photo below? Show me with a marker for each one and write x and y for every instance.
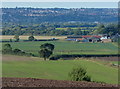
(32, 82)
(19, 58)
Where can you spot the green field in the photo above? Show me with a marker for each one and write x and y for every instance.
(67, 47)
(58, 70)
(75, 28)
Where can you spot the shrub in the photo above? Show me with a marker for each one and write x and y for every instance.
(31, 38)
(7, 48)
(16, 51)
(79, 74)
(87, 78)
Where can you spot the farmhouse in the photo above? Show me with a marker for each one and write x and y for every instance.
(85, 38)
(105, 39)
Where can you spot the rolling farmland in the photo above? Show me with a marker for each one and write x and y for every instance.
(66, 47)
(56, 70)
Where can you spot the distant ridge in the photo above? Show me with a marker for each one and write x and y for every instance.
(39, 15)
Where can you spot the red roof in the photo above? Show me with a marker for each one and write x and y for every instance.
(79, 39)
(97, 36)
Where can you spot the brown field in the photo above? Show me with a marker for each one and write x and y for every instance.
(37, 37)
(32, 82)
(19, 58)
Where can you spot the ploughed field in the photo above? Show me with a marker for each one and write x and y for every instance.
(33, 67)
(32, 82)
(68, 47)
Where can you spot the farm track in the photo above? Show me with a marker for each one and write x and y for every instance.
(32, 82)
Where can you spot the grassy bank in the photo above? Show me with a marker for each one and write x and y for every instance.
(58, 70)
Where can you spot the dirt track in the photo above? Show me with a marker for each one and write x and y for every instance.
(32, 82)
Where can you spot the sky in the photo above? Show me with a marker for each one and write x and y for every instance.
(61, 3)
(60, 0)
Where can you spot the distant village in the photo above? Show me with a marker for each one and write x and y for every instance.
(94, 38)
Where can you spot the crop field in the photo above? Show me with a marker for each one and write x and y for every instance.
(26, 37)
(82, 28)
(26, 67)
(67, 47)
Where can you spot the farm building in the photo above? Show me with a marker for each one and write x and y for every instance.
(105, 39)
(74, 38)
(87, 38)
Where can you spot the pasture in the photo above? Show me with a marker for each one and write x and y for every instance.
(75, 28)
(68, 47)
(27, 67)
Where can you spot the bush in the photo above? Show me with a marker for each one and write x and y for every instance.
(7, 48)
(16, 51)
(31, 38)
(87, 78)
(79, 74)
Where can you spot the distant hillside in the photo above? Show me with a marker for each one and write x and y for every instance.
(38, 15)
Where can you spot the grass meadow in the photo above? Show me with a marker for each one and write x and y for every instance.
(58, 70)
(67, 47)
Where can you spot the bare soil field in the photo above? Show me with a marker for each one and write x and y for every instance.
(32, 82)
(19, 58)
(37, 37)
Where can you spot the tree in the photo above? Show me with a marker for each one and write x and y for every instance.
(79, 74)
(45, 53)
(47, 46)
(46, 50)
(31, 38)
(7, 48)
(17, 38)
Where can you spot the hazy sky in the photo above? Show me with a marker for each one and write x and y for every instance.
(60, 0)
(61, 4)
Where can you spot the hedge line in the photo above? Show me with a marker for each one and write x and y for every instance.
(56, 57)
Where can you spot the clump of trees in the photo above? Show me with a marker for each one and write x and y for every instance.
(79, 74)
(7, 49)
(109, 29)
(31, 38)
(46, 50)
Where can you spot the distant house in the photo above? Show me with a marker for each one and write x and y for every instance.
(105, 39)
(86, 38)
(91, 38)
(74, 38)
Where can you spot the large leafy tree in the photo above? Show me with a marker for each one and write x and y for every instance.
(45, 53)
(47, 46)
(46, 50)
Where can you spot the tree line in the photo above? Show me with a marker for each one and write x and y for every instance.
(45, 51)
(51, 29)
